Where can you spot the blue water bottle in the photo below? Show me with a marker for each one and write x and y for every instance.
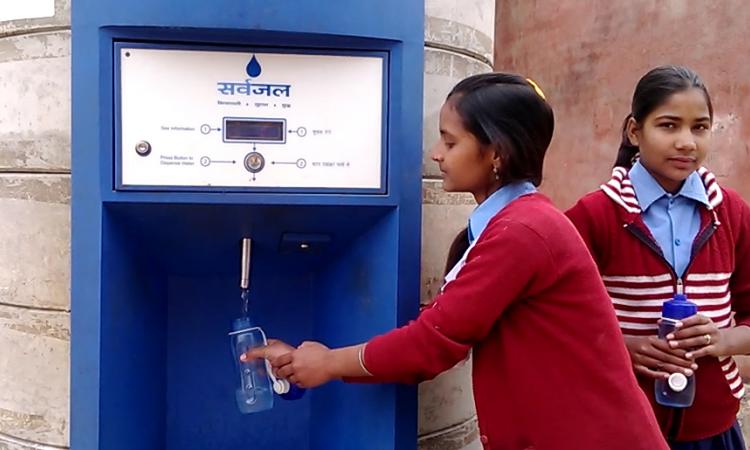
(677, 391)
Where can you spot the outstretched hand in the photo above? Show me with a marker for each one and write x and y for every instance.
(274, 349)
(307, 366)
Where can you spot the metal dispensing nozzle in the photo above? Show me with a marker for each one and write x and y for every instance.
(246, 253)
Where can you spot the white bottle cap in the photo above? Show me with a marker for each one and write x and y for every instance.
(281, 386)
(677, 382)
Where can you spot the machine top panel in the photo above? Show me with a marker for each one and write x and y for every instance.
(204, 120)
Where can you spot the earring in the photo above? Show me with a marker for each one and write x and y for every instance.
(497, 172)
(635, 158)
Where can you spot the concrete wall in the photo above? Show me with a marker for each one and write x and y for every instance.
(458, 43)
(34, 230)
(588, 56)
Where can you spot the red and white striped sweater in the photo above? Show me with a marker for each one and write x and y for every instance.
(639, 279)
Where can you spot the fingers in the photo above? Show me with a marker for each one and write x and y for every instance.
(708, 350)
(661, 368)
(643, 370)
(281, 360)
(271, 351)
(285, 371)
(256, 353)
(661, 351)
(700, 333)
(300, 366)
(667, 363)
(698, 342)
(697, 319)
(654, 358)
(696, 330)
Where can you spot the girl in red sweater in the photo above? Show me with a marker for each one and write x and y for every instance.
(663, 225)
(549, 368)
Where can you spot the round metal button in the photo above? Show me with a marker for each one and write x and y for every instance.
(254, 162)
(143, 148)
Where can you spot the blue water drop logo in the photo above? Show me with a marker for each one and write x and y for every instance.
(253, 68)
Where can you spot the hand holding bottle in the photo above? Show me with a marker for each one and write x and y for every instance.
(654, 358)
(312, 363)
(271, 351)
(309, 366)
(677, 391)
(699, 336)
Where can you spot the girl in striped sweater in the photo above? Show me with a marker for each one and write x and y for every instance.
(662, 225)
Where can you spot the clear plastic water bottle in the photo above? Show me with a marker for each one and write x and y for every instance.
(255, 390)
(678, 391)
(257, 382)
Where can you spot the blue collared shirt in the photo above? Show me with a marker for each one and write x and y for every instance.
(674, 220)
(493, 204)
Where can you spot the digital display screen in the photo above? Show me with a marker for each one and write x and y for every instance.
(254, 130)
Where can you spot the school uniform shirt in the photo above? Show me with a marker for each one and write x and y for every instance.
(673, 220)
(549, 368)
(639, 278)
(483, 213)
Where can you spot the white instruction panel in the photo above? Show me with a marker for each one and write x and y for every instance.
(229, 119)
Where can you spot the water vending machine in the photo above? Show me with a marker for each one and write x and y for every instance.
(293, 127)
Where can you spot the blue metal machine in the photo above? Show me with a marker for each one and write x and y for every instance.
(197, 124)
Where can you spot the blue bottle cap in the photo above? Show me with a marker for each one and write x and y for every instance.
(287, 390)
(295, 393)
(678, 308)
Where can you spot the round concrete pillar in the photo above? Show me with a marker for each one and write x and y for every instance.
(458, 43)
(35, 227)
